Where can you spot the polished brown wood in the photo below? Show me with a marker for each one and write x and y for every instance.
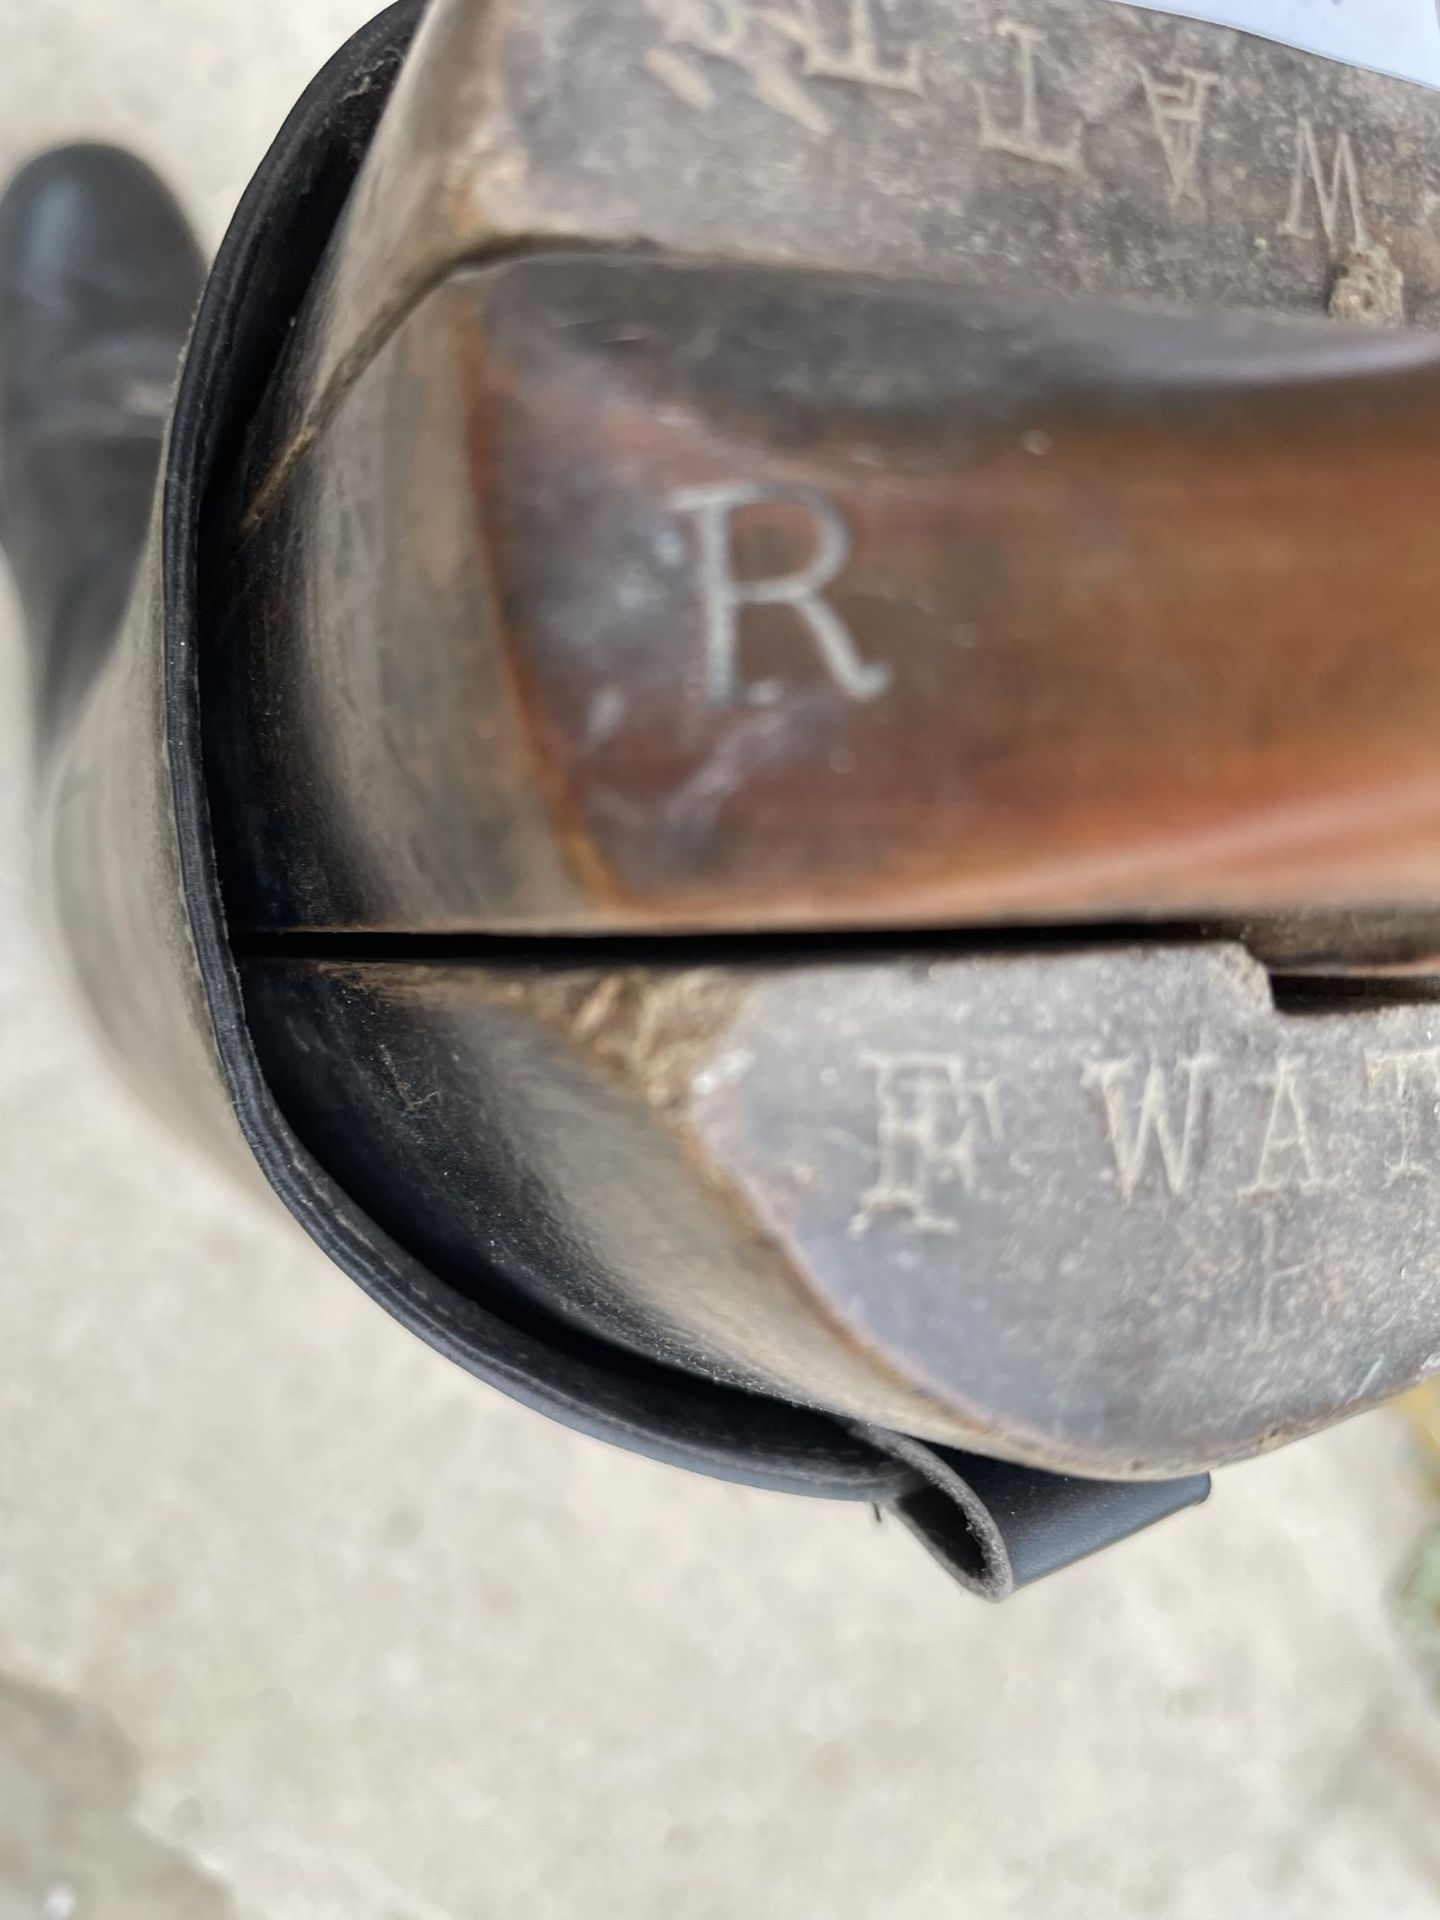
(661, 596)
(844, 566)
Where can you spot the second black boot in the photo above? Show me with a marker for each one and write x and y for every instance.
(99, 275)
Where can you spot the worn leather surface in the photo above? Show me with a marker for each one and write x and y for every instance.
(136, 895)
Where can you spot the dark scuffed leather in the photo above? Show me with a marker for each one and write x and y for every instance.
(99, 276)
(190, 1037)
(261, 274)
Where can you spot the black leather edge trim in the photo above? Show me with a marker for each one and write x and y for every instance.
(997, 1527)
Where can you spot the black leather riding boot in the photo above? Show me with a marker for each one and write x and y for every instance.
(142, 643)
(98, 281)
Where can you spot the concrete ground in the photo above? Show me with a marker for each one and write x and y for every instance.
(297, 1623)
